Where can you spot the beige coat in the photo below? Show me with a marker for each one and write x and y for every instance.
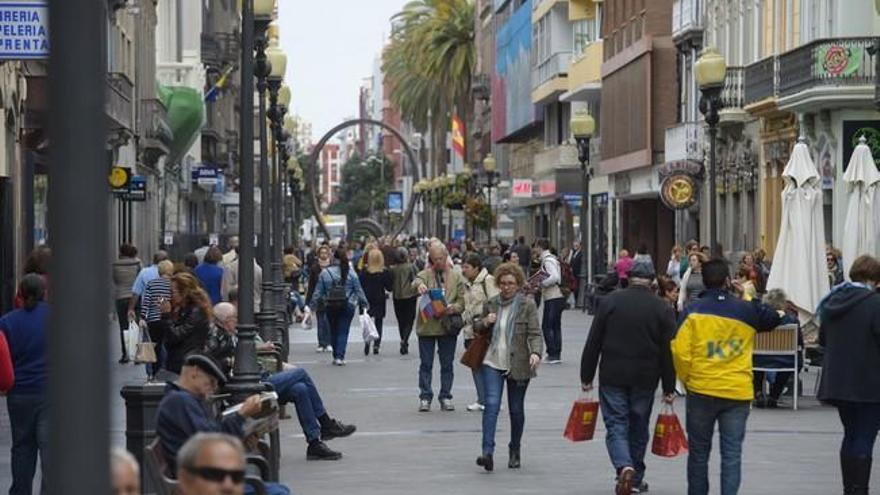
(455, 289)
(477, 293)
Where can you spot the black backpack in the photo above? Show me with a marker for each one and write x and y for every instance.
(336, 298)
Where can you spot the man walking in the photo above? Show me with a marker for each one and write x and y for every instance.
(631, 332)
(575, 261)
(712, 353)
(554, 303)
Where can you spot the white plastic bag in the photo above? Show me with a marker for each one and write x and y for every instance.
(368, 327)
(132, 338)
(307, 318)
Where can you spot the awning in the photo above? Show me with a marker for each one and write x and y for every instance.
(186, 116)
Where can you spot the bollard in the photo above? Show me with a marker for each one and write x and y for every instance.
(141, 405)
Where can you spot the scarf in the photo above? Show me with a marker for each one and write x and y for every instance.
(514, 303)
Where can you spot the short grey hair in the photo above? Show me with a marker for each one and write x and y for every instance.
(120, 456)
(187, 455)
(776, 299)
(224, 310)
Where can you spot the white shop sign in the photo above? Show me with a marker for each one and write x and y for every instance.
(24, 30)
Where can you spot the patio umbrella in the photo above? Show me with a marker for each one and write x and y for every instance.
(799, 260)
(860, 231)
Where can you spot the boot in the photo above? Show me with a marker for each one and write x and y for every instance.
(336, 429)
(514, 459)
(366, 348)
(486, 462)
(319, 451)
(856, 473)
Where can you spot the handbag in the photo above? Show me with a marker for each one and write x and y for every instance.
(452, 324)
(582, 420)
(669, 438)
(146, 351)
(476, 351)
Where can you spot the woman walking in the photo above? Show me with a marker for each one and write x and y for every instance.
(514, 354)
(404, 296)
(339, 275)
(125, 271)
(692, 281)
(480, 288)
(210, 274)
(190, 313)
(376, 282)
(849, 332)
(317, 265)
(156, 293)
(673, 268)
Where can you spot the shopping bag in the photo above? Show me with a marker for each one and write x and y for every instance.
(368, 327)
(669, 438)
(582, 421)
(146, 350)
(132, 338)
(307, 318)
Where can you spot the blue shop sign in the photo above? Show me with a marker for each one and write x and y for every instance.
(137, 189)
(24, 30)
(573, 200)
(206, 176)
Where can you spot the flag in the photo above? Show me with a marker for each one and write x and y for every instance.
(212, 94)
(458, 136)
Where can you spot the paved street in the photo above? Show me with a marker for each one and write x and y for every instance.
(400, 451)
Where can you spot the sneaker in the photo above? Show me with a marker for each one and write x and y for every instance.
(321, 349)
(319, 451)
(554, 361)
(337, 429)
(625, 481)
(447, 405)
(338, 362)
(329, 348)
(476, 406)
(424, 405)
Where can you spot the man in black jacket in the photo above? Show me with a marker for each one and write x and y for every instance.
(631, 331)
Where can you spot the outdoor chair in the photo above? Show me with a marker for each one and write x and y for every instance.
(781, 341)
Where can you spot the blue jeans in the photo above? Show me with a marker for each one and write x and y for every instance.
(297, 386)
(493, 381)
(702, 414)
(861, 421)
(29, 419)
(271, 489)
(323, 326)
(478, 380)
(446, 350)
(627, 414)
(551, 323)
(340, 324)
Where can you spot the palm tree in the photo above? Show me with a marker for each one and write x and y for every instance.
(429, 62)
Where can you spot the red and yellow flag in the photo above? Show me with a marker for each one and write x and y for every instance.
(458, 136)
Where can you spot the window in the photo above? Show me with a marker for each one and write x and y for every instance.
(586, 31)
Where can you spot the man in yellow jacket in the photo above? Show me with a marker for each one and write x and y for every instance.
(712, 353)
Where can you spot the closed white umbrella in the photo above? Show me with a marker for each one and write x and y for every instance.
(860, 230)
(799, 260)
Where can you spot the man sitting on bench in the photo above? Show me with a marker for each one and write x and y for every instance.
(184, 411)
(293, 384)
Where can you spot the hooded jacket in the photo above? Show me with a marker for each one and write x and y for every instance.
(850, 333)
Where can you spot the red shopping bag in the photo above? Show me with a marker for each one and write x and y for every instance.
(582, 420)
(669, 438)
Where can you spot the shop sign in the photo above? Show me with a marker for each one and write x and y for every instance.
(137, 189)
(120, 178)
(678, 191)
(522, 188)
(24, 30)
(546, 187)
(206, 177)
(573, 200)
(394, 202)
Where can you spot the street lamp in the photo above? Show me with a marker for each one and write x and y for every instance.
(278, 100)
(255, 18)
(710, 71)
(582, 128)
(490, 168)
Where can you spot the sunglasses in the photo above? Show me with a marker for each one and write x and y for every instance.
(218, 475)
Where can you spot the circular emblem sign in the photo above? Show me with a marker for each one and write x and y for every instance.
(678, 191)
(118, 177)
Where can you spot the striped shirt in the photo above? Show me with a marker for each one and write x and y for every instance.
(155, 289)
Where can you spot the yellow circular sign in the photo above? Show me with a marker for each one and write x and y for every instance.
(679, 191)
(118, 177)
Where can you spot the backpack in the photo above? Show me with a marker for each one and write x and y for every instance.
(336, 298)
(569, 282)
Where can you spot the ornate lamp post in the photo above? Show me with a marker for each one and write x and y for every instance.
(710, 71)
(255, 18)
(490, 168)
(582, 128)
(294, 173)
(292, 226)
(278, 101)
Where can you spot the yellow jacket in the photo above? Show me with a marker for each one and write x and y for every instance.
(712, 351)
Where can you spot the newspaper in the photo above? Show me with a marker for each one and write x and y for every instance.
(268, 400)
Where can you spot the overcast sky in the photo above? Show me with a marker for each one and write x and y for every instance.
(331, 45)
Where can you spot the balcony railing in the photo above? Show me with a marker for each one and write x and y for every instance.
(830, 62)
(560, 156)
(556, 65)
(118, 106)
(761, 80)
(684, 142)
(687, 17)
(733, 94)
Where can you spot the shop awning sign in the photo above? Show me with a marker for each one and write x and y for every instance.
(522, 188)
(24, 30)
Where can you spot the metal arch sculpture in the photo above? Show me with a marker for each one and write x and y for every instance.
(316, 152)
(368, 224)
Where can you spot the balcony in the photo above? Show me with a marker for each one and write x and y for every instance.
(733, 96)
(827, 74)
(760, 81)
(118, 106)
(157, 135)
(549, 78)
(561, 156)
(684, 142)
(687, 19)
(219, 49)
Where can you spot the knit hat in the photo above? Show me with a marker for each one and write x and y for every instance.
(642, 269)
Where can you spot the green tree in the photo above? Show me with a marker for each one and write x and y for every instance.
(364, 185)
(429, 62)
